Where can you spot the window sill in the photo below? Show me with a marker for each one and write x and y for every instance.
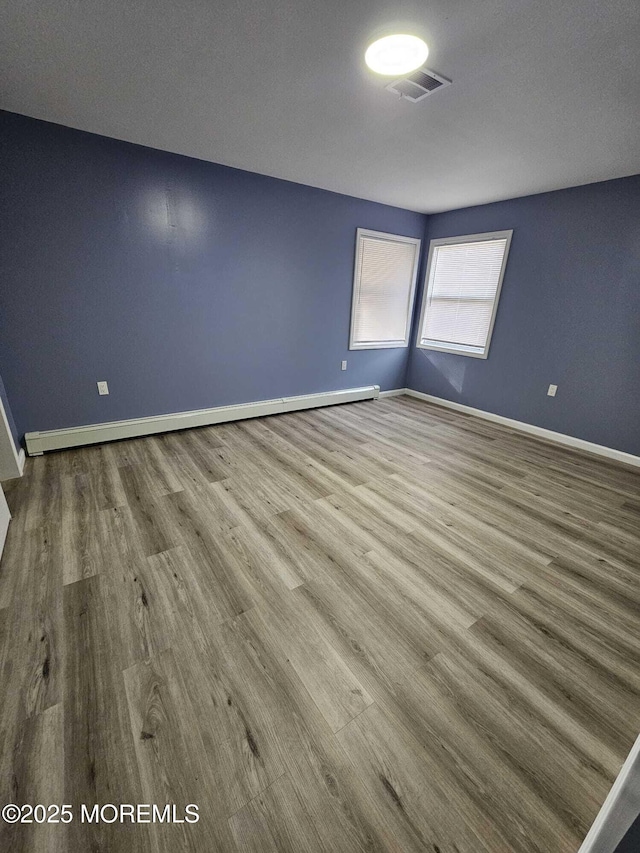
(455, 349)
(381, 345)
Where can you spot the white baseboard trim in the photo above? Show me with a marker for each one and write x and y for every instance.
(539, 432)
(396, 392)
(619, 810)
(56, 439)
(21, 461)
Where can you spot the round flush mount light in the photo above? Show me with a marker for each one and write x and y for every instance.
(396, 55)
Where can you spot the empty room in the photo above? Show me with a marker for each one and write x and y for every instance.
(319, 426)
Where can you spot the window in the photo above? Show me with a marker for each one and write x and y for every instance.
(384, 284)
(462, 288)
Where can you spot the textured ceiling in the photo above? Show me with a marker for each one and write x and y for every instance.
(545, 94)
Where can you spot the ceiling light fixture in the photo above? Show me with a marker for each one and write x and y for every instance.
(396, 55)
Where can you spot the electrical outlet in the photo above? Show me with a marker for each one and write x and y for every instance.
(103, 388)
(552, 390)
(343, 366)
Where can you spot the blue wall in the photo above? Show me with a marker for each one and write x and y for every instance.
(185, 285)
(569, 314)
(182, 283)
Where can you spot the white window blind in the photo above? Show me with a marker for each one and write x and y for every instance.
(463, 282)
(383, 289)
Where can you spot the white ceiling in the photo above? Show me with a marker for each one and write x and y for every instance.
(545, 94)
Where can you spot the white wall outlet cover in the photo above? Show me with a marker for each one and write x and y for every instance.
(103, 388)
(552, 390)
(343, 365)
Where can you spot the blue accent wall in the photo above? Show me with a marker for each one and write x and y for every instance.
(569, 314)
(187, 284)
(182, 283)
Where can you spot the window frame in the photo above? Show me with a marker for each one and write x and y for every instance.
(462, 349)
(357, 274)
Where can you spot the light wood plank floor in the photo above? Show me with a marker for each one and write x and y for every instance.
(376, 627)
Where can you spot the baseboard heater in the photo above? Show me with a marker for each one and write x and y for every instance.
(57, 439)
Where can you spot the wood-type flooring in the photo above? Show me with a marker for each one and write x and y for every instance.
(383, 626)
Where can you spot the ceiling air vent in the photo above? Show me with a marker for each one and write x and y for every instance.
(418, 84)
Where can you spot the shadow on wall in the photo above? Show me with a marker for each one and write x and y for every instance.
(452, 370)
